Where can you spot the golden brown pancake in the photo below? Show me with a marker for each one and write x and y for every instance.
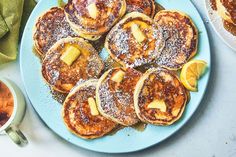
(49, 28)
(181, 38)
(77, 115)
(108, 12)
(227, 10)
(124, 47)
(115, 99)
(159, 97)
(230, 27)
(143, 6)
(62, 77)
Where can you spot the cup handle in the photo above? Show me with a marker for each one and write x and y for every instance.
(16, 135)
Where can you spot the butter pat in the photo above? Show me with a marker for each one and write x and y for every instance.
(158, 104)
(137, 33)
(93, 106)
(175, 112)
(71, 54)
(93, 11)
(118, 76)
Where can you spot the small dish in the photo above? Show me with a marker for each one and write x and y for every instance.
(11, 126)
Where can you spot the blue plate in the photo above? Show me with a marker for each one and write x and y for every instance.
(125, 140)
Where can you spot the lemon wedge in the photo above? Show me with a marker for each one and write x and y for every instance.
(191, 72)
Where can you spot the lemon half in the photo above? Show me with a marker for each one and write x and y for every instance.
(191, 72)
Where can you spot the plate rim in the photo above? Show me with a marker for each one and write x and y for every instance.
(117, 151)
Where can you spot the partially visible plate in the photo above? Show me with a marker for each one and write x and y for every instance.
(218, 26)
(125, 140)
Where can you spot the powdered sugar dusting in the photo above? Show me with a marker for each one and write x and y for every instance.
(128, 50)
(50, 28)
(123, 98)
(116, 99)
(111, 99)
(54, 74)
(174, 45)
(107, 99)
(121, 40)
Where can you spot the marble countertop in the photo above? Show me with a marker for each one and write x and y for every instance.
(211, 132)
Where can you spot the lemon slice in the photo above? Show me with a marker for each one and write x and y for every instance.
(191, 72)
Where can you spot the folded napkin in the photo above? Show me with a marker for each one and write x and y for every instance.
(10, 22)
(3, 27)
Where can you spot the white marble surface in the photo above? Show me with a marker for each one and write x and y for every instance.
(211, 132)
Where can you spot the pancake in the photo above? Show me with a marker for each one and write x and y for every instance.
(61, 76)
(92, 23)
(49, 28)
(230, 27)
(227, 10)
(77, 114)
(115, 99)
(125, 45)
(181, 38)
(159, 97)
(143, 6)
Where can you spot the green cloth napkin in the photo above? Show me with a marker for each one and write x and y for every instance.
(3, 27)
(10, 22)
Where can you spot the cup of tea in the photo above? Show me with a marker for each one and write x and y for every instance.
(12, 111)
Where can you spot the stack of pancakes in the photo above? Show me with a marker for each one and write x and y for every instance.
(227, 10)
(99, 101)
